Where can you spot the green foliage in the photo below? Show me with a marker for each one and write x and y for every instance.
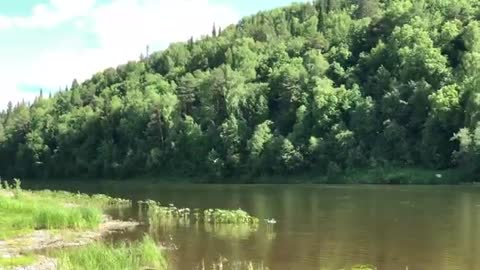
(325, 87)
(469, 153)
(220, 216)
(157, 213)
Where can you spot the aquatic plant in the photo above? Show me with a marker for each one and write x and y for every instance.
(155, 211)
(224, 264)
(144, 254)
(228, 216)
(364, 267)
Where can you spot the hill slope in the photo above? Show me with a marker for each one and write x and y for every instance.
(322, 86)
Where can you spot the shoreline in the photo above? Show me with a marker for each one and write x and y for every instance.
(371, 176)
(35, 222)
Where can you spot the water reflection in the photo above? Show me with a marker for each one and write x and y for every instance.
(322, 227)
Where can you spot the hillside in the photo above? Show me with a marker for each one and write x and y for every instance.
(318, 87)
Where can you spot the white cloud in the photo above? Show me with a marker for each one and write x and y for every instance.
(123, 29)
(48, 15)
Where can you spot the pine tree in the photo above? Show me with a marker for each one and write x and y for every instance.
(214, 30)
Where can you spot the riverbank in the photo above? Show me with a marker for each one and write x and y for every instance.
(37, 221)
(386, 175)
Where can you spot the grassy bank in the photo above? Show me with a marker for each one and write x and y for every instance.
(23, 211)
(35, 220)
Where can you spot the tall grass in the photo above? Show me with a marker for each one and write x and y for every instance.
(222, 216)
(23, 211)
(23, 214)
(99, 256)
(67, 218)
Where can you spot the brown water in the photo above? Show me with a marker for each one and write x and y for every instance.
(318, 226)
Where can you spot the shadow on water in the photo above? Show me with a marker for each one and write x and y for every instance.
(318, 227)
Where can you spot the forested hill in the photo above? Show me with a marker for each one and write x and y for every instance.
(324, 87)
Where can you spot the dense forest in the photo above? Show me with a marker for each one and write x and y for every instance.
(320, 87)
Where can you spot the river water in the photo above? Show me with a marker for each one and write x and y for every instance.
(318, 226)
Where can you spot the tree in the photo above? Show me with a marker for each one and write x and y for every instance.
(368, 8)
(468, 154)
(256, 145)
(75, 84)
(444, 120)
(2, 133)
(327, 87)
(287, 84)
(214, 31)
(232, 138)
(290, 158)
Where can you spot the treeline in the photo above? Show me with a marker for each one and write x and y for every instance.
(325, 87)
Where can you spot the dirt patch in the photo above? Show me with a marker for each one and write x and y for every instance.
(45, 239)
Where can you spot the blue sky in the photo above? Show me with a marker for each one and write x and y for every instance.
(47, 43)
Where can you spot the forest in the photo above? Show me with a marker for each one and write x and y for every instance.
(321, 87)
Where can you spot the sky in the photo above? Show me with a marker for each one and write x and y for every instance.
(45, 44)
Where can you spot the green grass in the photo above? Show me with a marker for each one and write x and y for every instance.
(99, 256)
(19, 215)
(23, 211)
(98, 200)
(17, 261)
(49, 196)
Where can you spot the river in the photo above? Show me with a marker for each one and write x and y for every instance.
(318, 226)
